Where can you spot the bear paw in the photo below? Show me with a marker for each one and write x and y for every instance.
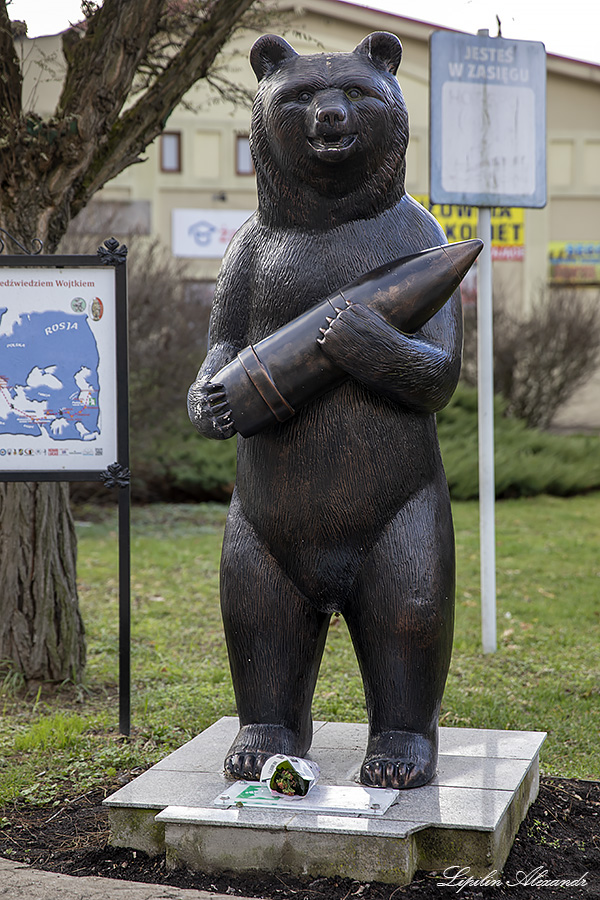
(209, 410)
(219, 409)
(254, 745)
(399, 760)
(352, 336)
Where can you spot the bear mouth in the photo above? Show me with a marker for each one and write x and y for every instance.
(332, 146)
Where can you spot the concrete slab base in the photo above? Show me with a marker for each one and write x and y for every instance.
(468, 815)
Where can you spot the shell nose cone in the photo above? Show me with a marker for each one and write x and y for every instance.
(463, 254)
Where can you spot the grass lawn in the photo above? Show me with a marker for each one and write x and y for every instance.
(544, 677)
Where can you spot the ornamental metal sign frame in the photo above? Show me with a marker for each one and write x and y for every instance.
(64, 416)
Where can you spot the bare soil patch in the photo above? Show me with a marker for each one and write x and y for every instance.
(558, 841)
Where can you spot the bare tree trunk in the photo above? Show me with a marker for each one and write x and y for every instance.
(41, 630)
(49, 169)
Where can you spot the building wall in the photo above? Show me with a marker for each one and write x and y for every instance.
(208, 179)
(144, 197)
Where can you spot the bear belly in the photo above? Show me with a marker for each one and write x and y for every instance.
(320, 489)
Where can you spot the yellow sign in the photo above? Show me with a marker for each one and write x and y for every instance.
(460, 224)
(574, 262)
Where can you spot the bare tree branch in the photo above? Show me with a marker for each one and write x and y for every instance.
(10, 72)
(50, 168)
(102, 64)
(140, 124)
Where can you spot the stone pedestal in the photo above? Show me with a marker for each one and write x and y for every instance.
(467, 816)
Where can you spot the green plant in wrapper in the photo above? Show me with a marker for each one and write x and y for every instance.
(286, 780)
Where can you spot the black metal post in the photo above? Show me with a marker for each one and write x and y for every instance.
(118, 475)
(124, 489)
(125, 610)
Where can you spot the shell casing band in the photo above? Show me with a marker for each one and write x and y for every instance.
(264, 384)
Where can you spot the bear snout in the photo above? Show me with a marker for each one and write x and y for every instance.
(331, 131)
(332, 115)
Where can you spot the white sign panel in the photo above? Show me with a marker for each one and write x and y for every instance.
(58, 383)
(205, 233)
(345, 800)
(488, 108)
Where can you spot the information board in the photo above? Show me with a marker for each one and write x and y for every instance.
(59, 367)
(487, 121)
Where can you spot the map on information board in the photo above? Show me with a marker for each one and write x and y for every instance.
(57, 369)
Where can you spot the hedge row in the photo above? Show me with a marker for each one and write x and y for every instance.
(181, 465)
(528, 461)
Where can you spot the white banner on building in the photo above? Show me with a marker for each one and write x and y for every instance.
(205, 233)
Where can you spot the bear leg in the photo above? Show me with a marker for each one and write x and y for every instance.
(401, 617)
(275, 640)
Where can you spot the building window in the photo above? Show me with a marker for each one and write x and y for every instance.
(170, 151)
(243, 157)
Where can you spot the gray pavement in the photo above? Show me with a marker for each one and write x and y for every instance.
(21, 882)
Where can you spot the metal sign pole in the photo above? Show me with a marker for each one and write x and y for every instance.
(124, 611)
(485, 395)
(118, 476)
(487, 149)
(124, 482)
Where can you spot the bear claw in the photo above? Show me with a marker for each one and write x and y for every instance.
(254, 745)
(399, 760)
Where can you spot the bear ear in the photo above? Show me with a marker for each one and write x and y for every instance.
(268, 52)
(383, 49)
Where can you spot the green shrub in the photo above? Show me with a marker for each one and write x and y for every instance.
(527, 461)
(542, 354)
(167, 340)
(180, 464)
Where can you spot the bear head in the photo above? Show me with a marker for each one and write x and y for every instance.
(329, 131)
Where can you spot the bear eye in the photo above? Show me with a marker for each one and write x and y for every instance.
(305, 96)
(354, 93)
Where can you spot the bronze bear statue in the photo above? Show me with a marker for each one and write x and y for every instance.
(344, 508)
